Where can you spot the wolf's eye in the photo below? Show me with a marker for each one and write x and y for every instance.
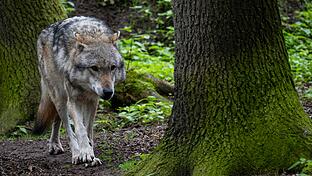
(113, 67)
(80, 67)
(95, 68)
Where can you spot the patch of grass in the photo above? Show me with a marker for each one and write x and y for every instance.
(130, 164)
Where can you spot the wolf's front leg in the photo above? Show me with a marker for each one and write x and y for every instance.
(63, 113)
(80, 111)
(89, 117)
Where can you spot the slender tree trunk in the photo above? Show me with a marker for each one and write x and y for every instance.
(20, 24)
(236, 111)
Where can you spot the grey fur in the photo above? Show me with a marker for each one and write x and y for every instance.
(78, 62)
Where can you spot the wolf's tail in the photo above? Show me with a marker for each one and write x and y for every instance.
(45, 116)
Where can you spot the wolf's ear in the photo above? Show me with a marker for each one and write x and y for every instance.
(120, 74)
(80, 47)
(115, 36)
(78, 37)
(79, 42)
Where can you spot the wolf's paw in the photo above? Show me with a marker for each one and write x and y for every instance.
(95, 162)
(75, 159)
(86, 156)
(55, 148)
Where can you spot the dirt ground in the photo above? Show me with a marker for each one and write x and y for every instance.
(31, 157)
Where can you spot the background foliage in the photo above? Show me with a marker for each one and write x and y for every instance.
(298, 37)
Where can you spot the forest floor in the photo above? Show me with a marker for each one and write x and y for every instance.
(31, 157)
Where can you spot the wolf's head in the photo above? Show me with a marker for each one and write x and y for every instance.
(97, 64)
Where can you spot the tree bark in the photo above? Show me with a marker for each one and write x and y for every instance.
(21, 22)
(236, 111)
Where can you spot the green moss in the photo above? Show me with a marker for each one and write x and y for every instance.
(138, 83)
(162, 162)
(271, 140)
(18, 64)
(9, 119)
(136, 87)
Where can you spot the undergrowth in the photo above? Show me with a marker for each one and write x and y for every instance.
(147, 51)
(146, 111)
(298, 38)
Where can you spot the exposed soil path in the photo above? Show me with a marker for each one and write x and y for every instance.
(26, 157)
(30, 157)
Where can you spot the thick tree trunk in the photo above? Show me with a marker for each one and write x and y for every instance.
(236, 111)
(20, 24)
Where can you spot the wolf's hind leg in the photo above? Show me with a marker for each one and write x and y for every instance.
(46, 115)
(55, 146)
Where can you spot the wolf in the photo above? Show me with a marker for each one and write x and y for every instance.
(78, 63)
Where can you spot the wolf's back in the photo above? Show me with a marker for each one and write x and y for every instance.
(60, 36)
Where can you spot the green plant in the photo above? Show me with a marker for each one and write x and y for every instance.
(303, 166)
(145, 111)
(308, 94)
(150, 51)
(19, 131)
(130, 164)
(298, 37)
(23, 132)
(107, 121)
(146, 56)
(69, 6)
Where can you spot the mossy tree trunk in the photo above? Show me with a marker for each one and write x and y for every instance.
(20, 24)
(236, 111)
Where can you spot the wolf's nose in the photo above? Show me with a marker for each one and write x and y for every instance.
(107, 94)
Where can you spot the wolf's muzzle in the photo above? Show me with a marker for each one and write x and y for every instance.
(107, 94)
